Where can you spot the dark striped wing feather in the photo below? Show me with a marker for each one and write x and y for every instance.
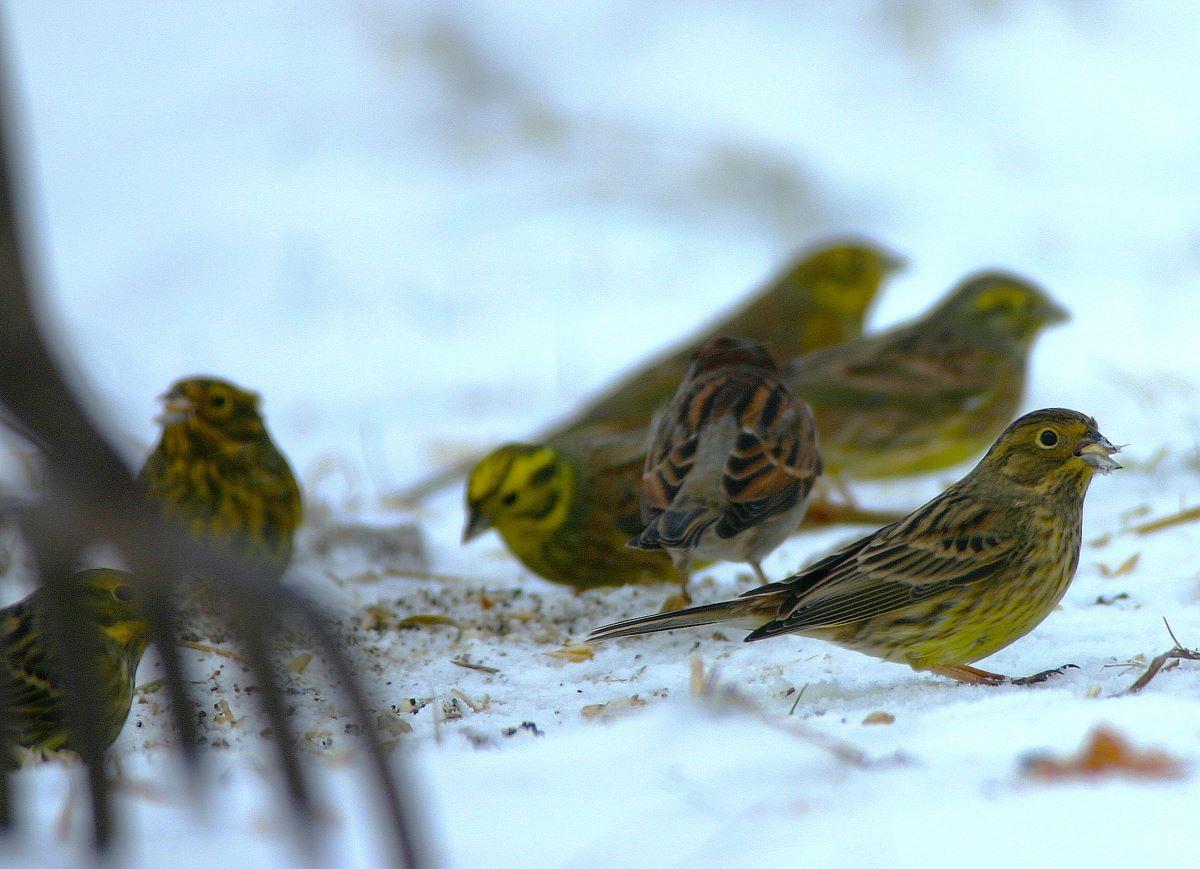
(773, 462)
(37, 702)
(951, 541)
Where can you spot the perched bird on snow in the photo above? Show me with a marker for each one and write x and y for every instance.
(973, 570)
(731, 461)
(217, 471)
(102, 601)
(931, 393)
(567, 508)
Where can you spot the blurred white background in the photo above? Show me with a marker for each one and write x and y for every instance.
(416, 227)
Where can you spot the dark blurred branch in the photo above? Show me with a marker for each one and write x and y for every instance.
(89, 497)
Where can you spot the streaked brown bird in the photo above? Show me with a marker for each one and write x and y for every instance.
(217, 471)
(116, 633)
(730, 462)
(819, 300)
(931, 393)
(975, 569)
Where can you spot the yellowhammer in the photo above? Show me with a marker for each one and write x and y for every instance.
(568, 508)
(103, 601)
(819, 300)
(928, 394)
(217, 471)
(976, 568)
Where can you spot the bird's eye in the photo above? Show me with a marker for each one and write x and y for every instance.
(218, 400)
(1048, 438)
(123, 593)
(509, 499)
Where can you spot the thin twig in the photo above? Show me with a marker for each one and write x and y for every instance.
(471, 665)
(212, 650)
(1192, 514)
(1178, 653)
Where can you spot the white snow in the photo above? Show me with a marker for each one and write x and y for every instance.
(418, 228)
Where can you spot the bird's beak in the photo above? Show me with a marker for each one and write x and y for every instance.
(1054, 313)
(894, 262)
(176, 408)
(1097, 451)
(477, 523)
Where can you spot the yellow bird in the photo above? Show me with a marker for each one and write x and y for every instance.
(217, 471)
(568, 508)
(103, 602)
(975, 569)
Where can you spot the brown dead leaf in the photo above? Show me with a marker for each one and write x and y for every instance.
(879, 717)
(1106, 753)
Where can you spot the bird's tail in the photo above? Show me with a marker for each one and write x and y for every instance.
(675, 529)
(741, 611)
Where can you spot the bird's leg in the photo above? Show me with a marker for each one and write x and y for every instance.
(975, 676)
(1042, 676)
(970, 675)
(678, 601)
(758, 571)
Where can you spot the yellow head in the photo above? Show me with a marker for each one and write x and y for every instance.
(520, 490)
(213, 409)
(106, 598)
(845, 276)
(1003, 305)
(1049, 450)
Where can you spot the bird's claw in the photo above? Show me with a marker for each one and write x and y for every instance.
(1038, 678)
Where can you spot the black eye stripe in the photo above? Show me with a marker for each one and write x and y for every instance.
(509, 499)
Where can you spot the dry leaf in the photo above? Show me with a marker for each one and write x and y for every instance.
(392, 724)
(576, 653)
(1107, 753)
(697, 679)
(1121, 569)
(879, 717)
(150, 687)
(225, 715)
(299, 663)
(612, 707)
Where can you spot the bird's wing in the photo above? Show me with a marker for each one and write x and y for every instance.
(34, 696)
(774, 461)
(953, 540)
(674, 439)
(908, 365)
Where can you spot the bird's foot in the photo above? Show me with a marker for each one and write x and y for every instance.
(1037, 678)
(976, 676)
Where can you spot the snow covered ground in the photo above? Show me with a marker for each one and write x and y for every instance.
(424, 228)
